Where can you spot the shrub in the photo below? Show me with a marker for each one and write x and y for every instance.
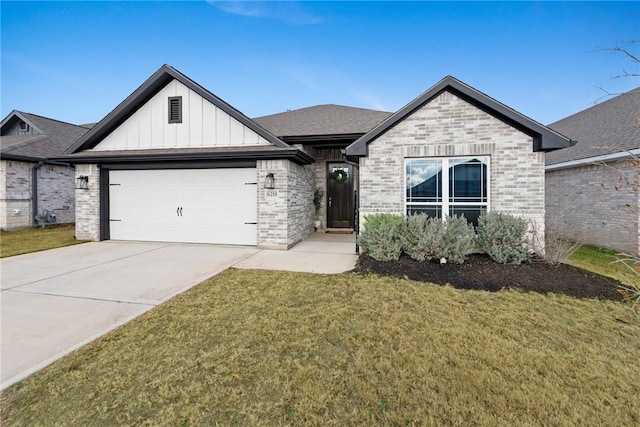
(423, 237)
(557, 246)
(631, 292)
(382, 236)
(502, 237)
(426, 238)
(458, 240)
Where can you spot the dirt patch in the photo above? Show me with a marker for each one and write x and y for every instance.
(479, 272)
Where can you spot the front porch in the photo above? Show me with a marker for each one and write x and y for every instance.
(319, 252)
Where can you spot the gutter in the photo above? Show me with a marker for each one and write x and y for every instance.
(594, 159)
(34, 191)
(293, 154)
(29, 159)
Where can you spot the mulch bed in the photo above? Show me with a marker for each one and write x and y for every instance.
(479, 272)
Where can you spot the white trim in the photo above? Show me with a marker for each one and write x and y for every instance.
(595, 159)
(444, 203)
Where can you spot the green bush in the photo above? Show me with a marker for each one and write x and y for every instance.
(502, 237)
(382, 236)
(458, 240)
(423, 237)
(427, 238)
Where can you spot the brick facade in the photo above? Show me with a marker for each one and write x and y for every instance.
(88, 204)
(586, 205)
(448, 126)
(285, 214)
(55, 193)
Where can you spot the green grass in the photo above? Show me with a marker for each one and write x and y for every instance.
(256, 348)
(36, 239)
(601, 261)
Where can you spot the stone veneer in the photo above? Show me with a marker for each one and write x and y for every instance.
(448, 126)
(55, 191)
(585, 205)
(285, 214)
(88, 204)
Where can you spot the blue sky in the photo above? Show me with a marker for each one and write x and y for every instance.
(75, 61)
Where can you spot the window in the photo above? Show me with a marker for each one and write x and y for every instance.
(175, 109)
(24, 127)
(463, 188)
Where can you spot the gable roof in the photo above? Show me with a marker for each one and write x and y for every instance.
(329, 119)
(145, 92)
(544, 139)
(51, 137)
(610, 127)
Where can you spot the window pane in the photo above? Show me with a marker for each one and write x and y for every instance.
(471, 213)
(468, 180)
(424, 180)
(432, 211)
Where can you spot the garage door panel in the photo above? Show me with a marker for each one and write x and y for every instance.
(195, 205)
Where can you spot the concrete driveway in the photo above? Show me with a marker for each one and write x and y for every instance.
(58, 300)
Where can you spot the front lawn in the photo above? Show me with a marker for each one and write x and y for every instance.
(602, 261)
(36, 239)
(273, 348)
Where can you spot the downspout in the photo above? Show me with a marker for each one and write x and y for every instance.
(34, 192)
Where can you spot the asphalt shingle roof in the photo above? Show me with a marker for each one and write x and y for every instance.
(610, 127)
(56, 138)
(327, 119)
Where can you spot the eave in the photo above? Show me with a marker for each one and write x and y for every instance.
(144, 93)
(544, 138)
(323, 141)
(292, 154)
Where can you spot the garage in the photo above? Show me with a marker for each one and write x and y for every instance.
(184, 205)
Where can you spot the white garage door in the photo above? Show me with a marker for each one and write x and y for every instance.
(184, 205)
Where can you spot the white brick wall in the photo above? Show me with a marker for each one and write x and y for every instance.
(88, 204)
(55, 191)
(285, 214)
(586, 205)
(449, 126)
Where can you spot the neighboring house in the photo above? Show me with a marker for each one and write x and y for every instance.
(173, 162)
(592, 187)
(34, 189)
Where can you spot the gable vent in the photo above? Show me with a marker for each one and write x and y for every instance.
(175, 109)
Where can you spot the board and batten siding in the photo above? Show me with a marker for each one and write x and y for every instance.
(203, 125)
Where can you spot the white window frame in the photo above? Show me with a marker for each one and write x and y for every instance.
(445, 204)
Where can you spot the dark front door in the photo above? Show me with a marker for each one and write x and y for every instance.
(339, 195)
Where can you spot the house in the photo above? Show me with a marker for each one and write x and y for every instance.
(173, 162)
(454, 150)
(34, 189)
(592, 187)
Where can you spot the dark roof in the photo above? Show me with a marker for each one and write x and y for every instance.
(146, 91)
(545, 139)
(610, 127)
(327, 119)
(52, 137)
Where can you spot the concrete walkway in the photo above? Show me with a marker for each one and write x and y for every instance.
(318, 253)
(55, 301)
